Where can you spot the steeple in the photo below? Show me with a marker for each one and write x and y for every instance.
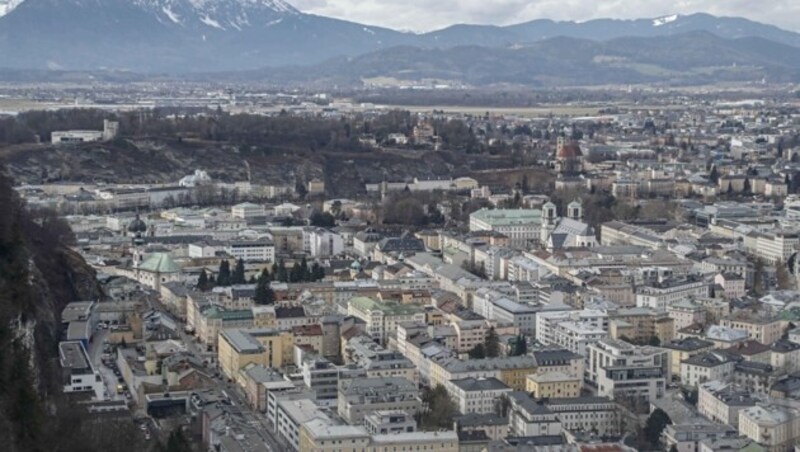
(575, 210)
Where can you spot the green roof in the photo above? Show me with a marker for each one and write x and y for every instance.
(368, 304)
(159, 263)
(241, 314)
(508, 217)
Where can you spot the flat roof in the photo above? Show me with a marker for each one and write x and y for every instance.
(73, 356)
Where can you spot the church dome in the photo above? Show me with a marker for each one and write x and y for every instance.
(569, 150)
(137, 225)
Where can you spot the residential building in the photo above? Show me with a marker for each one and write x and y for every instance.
(527, 417)
(721, 402)
(619, 369)
(554, 385)
(521, 226)
(709, 366)
(359, 397)
(476, 395)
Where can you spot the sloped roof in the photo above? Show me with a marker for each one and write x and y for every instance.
(159, 263)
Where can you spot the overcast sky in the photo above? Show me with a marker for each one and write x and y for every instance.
(426, 15)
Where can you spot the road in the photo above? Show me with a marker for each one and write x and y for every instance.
(95, 355)
(254, 419)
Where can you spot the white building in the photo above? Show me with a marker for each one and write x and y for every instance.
(252, 250)
(476, 395)
(521, 226)
(659, 295)
(291, 415)
(527, 417)
(81, 375)
(721, 402)
(776, 248)
(619, 369)
(705, 367)
(324, 243)
(76, 136)
(776, 427)
(248, 210)
(576, 336)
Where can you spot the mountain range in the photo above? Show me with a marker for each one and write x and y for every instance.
(273, 40)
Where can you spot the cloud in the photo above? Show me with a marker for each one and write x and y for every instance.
(426, 15)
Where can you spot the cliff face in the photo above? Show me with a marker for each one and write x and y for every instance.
(39, 274)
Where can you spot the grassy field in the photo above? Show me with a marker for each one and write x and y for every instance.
(536, 112)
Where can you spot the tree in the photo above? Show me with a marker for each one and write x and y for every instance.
(492, 344)
(438, 409)
(264, 293)
(758, 278)
(322, 219)
(281, 274)
(317, 272)
(783, 277)
(478, 352)
(224, 273)
(502, 405)
(520, 346)
(654, 341)
(202, 281)
(304, 272)
(238, 273)
(177, 442)
(713, 176)
(656, 424)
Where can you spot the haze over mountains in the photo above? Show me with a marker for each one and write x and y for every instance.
(182, 36)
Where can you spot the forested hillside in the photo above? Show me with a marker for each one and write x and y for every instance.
(39, 274)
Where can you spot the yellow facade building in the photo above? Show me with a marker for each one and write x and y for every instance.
(554, 385)
(265, 346)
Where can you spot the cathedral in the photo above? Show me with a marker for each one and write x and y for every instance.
(568, 232)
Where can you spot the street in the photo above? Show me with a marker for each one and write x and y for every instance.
(257, 421)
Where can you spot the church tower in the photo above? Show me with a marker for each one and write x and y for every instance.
(549, 220)
(575, 210)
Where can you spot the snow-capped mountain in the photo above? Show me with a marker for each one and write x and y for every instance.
(231, 35)
(7, 5)
(219, 14)
(177, 35)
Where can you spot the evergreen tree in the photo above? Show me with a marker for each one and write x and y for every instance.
(656, 424)
(317, 272)
(238, 276)
(758, 278)
(304, 272)
(520, 346)
(202, 281)
(212, 282)
(224, 273)
(281, 274)
(264, 293)
(713, 176)
(492, 344)
(477, 352)
(177, 442)
(438, 410)
(274, 270)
